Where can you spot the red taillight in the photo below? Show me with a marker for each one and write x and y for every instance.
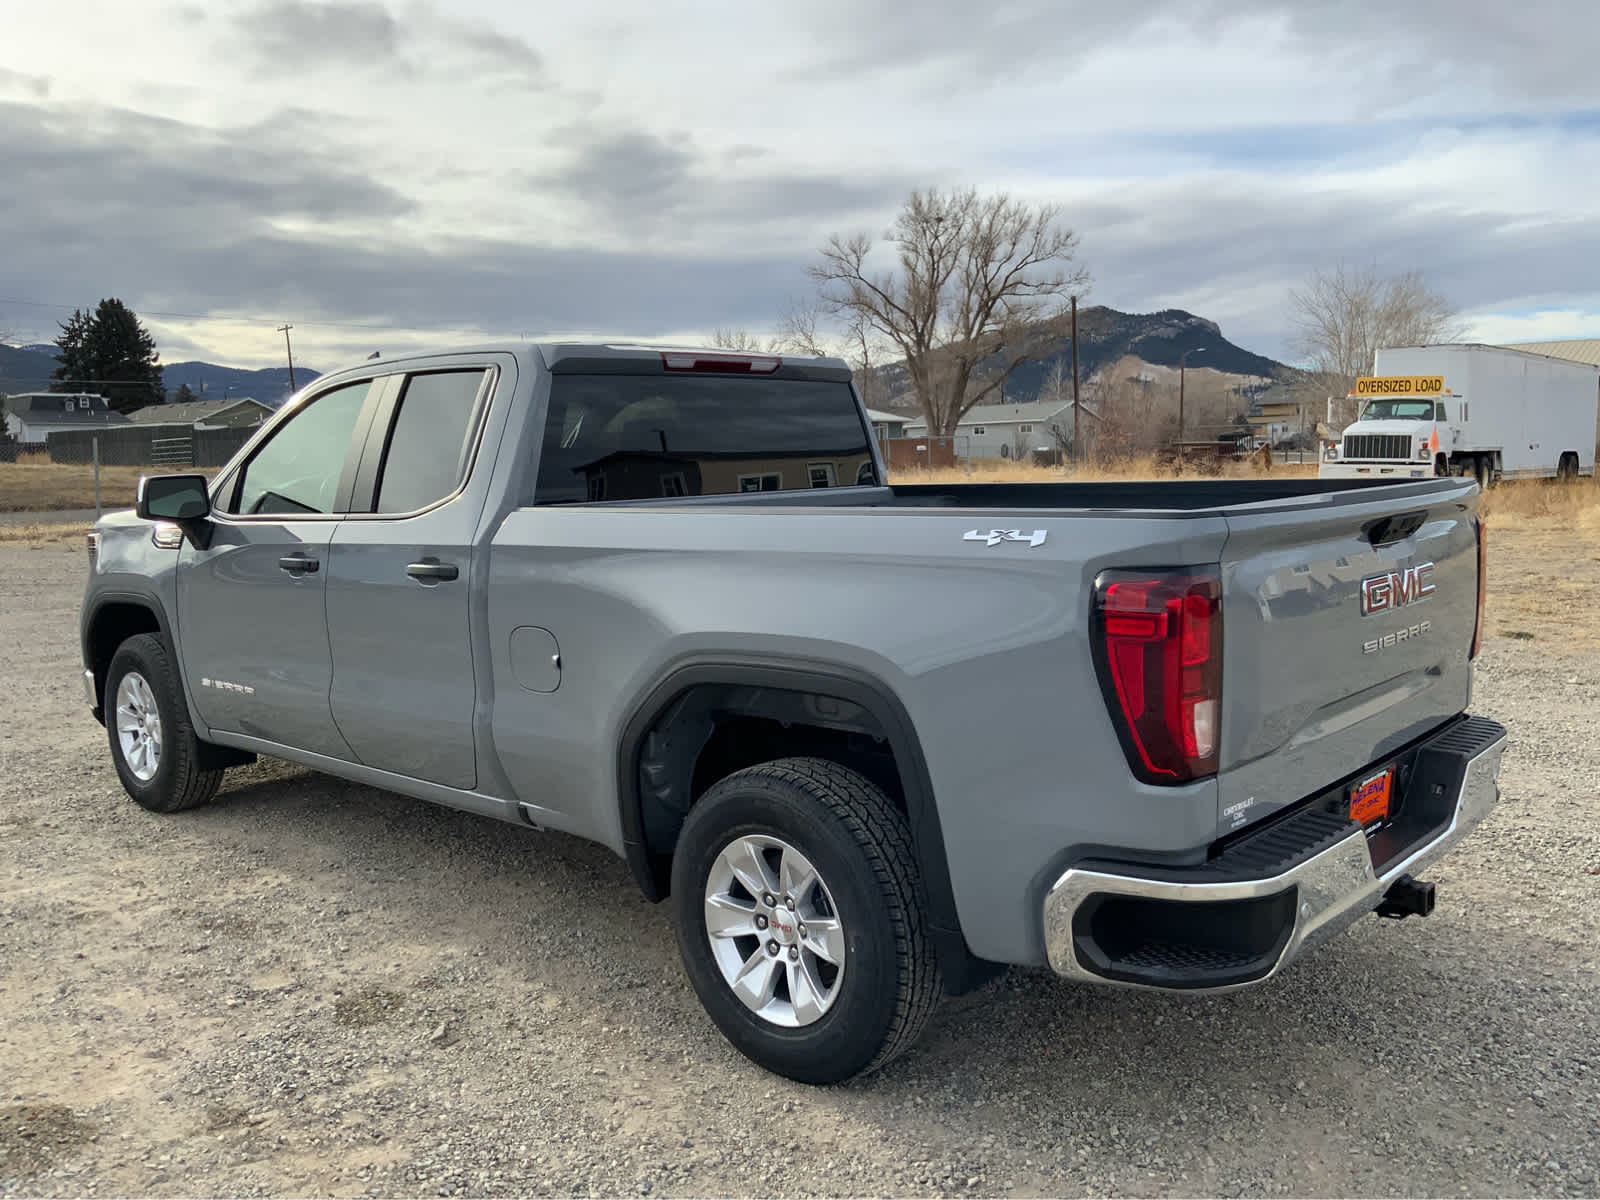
(1158, 648)
(721, 364)
(1483, 576)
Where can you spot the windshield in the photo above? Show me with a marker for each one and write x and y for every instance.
(1401, 410)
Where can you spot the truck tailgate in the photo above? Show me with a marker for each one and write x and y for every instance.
(1318, 682)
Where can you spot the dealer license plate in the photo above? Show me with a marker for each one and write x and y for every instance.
(1369, 799)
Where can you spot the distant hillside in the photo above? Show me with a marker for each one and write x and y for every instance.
(29, 369)
(270, 385)
(1106, 337)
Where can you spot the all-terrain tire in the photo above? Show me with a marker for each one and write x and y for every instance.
(178, 781)
(860, 845)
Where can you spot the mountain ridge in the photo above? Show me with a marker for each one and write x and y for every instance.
(1107, 336)
(30, 369)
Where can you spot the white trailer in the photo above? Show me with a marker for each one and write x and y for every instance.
(1470, 410)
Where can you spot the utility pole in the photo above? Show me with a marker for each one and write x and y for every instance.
(284, 329)
(1183, 360)
(1077, 446)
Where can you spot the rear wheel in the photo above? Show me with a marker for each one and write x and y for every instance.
(153, 743)
(800, 919)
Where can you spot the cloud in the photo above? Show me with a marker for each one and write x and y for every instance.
(288, 34)
(293, 36)
(357, 161)
(141, 176)
(193, 221)
(1231, 247)
(641, 182)
(1536, 53)
(37, 86)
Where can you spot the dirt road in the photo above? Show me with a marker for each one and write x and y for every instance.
(319, 989)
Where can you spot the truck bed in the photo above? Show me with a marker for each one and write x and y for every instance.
(1144, 497)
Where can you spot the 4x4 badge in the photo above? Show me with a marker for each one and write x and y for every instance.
(995, 536)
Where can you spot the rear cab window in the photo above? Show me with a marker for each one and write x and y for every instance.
(645, 437)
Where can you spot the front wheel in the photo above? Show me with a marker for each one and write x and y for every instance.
(153, 744)
(800, 918)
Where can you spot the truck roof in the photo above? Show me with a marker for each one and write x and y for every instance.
(633, 358)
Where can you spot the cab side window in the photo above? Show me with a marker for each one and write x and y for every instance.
(297, 472)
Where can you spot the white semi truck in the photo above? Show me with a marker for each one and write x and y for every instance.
(1470, 410)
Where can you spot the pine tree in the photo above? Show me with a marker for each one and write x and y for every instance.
(185, 395)
(73, 373)
(111, 354)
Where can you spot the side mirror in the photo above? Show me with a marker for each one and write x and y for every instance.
(179, 498)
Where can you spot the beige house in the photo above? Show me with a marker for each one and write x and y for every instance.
(205, 414)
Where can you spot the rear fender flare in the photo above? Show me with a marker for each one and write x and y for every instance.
(819, 678)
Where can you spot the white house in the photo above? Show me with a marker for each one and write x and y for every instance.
(33, 416)
(1008, 430)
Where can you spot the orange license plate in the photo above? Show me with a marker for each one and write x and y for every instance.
(1369, 800)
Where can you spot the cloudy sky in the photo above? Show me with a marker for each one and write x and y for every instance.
(414, 172)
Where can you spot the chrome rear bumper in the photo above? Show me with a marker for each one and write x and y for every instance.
(1331, 889)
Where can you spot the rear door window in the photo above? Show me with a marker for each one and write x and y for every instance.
(430, 439)
(645, 437)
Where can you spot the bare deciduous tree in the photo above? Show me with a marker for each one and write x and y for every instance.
(1343, 316)
(803, 332)
(744, 342)
(976, 293)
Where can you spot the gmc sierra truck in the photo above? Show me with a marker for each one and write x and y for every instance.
(872, 740)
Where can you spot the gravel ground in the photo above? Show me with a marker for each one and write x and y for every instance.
(315, 988)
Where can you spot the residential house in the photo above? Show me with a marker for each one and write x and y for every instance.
(243, 413)
(1007, 430)
(887, 425)
(32, 416)
(642, 474)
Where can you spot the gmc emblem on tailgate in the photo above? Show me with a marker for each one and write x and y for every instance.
(1383, 593)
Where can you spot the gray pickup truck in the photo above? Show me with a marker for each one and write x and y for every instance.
(874, 741)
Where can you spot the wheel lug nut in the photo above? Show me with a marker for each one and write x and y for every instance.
(794, 954)
(800, 929)
(761, 922)
(770, 900)
(772, 949)
(788, 902)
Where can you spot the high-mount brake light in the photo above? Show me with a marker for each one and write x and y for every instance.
(1158, 651)
(720, 364)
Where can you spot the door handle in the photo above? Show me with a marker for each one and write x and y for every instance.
(299, 564)
(433, 572)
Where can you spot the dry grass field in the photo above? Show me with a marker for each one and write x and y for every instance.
(34, 484)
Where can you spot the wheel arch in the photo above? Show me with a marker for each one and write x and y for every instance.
(112, 619)
(679, 703)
